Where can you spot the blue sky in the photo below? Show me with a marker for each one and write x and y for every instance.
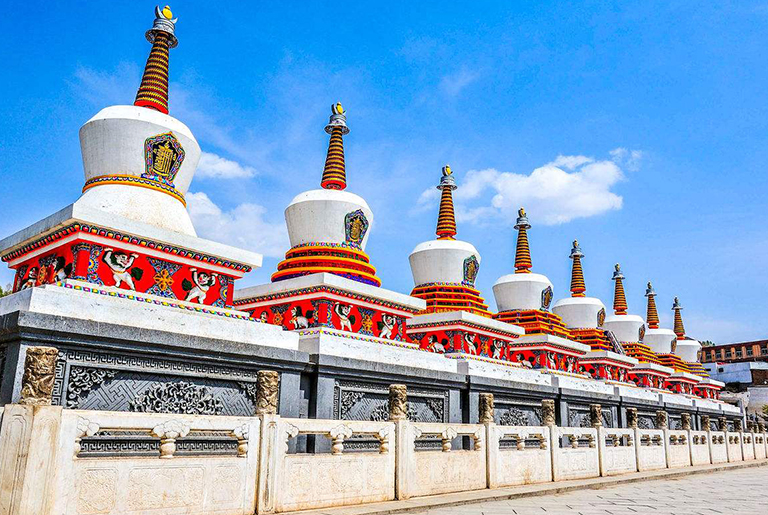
(637, 127)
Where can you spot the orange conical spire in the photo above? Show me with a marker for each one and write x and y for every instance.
(679, 328)
(446, 220)
(577, 274)
(619, 299)
(334, 173)
(523, 252)
(153, 91)
(651, 316)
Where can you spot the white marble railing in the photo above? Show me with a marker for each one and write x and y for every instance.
(699, 444)
(618, 452)
(66, 462)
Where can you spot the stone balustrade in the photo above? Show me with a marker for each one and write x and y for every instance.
(56, 461)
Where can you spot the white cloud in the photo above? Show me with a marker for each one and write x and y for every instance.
(569, 187)
(629, 159)
(216, 167)
(454, 83)
(243, 226)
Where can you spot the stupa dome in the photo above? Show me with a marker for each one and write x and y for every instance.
(578, 310)
(328, 216)
(523, 290)
(688, 349)
(128, 146)
(660, 340)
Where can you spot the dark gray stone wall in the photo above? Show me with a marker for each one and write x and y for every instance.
(111, 367)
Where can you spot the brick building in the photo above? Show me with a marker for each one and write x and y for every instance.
(736, 352)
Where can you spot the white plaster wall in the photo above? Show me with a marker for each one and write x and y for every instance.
(440, 261)
(651, 450)
(519, 466)
(626, 328)
(578, 312)
(57, 300)
(583, 385)
(699, 441)
(474, 367)
(335, 343)
(659, 340)
(634, 392)
(520, 291)
(318, 216)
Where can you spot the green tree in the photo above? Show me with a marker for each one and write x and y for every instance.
(6, 291)
(707, 343)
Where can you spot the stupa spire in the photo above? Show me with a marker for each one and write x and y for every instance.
(577, 274)
(523, 251)
(446, 220)
(619, 298)
(679, 327)
(652, 315)
(153, 91)
(334, 173)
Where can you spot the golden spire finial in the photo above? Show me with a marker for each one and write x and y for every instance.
(446, 219)
(335, 173)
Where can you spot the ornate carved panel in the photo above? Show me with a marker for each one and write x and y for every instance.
(370, 401)
(102, 381)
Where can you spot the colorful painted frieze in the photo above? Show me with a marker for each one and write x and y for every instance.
(108, 258)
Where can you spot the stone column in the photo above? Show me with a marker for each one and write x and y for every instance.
(737, 425)
(595, 415)
(267, 388)
(722, 424)
(548, 412)
(632, 418)
(661, 420)
(398, 402)
(37, 381)
(486, 408)
(685, 421)
(705, 423)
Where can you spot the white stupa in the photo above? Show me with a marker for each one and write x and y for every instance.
(329, 227)
(523, 290)
(687, 348)
(626, 328)
(579, 311)
(444, 269)
(660, 340)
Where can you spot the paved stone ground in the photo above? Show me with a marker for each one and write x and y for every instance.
(731, 492)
